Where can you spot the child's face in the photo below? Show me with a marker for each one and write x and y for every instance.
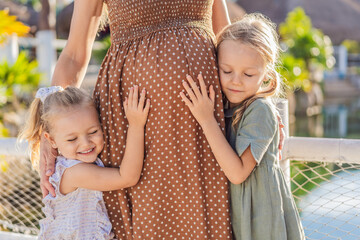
(77, 134)
(242, 71)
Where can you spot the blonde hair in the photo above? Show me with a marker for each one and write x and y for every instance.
(104, 18)
(258, 32)
(41, 116)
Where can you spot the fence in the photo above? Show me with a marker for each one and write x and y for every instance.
(45, 44)
(20, 196)
(326, 185)
(324, 176)
(325, 180)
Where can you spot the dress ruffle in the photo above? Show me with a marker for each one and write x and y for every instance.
(79, 215)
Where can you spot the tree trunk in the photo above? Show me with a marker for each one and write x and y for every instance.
(47, 15)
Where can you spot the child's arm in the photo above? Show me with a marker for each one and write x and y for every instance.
(90, 176)
(136, 114)
(236, 168)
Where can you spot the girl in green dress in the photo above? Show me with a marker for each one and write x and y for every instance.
(262, 206)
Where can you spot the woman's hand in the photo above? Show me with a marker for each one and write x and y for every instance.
(200, 103)
(46, 166)
(282, 135)
(134, 108)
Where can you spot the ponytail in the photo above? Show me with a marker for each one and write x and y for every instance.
(42, 114)
(32, 131)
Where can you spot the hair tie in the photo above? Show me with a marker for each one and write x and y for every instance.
(44, 92)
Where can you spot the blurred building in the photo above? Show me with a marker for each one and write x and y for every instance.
(339, 20)
(235, 10)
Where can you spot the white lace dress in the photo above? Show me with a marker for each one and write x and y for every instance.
(78, 215)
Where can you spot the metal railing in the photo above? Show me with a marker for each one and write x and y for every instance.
(324, 175)
(325, 179)
(322, 150)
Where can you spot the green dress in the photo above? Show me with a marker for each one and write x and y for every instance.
(262, 207)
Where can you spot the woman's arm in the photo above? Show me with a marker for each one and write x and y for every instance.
(236, 168)
(220, 16)
(70, 70)
(72, 63)
(90, 176)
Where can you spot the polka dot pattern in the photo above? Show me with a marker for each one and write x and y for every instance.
(182, 193)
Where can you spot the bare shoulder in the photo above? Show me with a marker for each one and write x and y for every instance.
(72, 175)
(80, 170)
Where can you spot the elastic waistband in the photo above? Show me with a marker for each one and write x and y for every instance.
(120, 36)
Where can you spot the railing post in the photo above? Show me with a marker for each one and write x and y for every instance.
(283, 108)
(46, 54)
(342, 54)
(10, 147)
(10, 50)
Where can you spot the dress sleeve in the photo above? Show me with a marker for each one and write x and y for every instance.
(257, 129)
(61, 165)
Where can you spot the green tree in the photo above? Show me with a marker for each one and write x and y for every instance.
(100, 53)
(33, 3)
(19, 78)
(352, 46)
(9, 26)
(17, 81)
(305, 47)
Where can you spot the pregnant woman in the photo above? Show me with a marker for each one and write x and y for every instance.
(182, 193)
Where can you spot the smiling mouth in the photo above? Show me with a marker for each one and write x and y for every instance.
(88, 151)
(237, 91)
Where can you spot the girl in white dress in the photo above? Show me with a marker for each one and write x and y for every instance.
(69, 121)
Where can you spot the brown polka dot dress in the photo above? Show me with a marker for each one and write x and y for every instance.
(182, 193)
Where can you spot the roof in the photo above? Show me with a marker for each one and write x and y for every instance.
(340, 19)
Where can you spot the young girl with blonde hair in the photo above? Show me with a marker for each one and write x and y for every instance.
(69, 121)
(262, 206)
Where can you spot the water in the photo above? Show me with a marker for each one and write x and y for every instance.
(332, 211)
(340, 118)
